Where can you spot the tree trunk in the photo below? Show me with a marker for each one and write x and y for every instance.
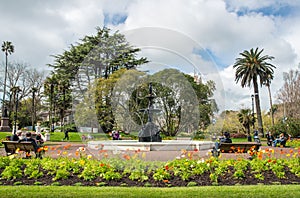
(271, 105)
(258, 110)
(4, 88)
(248, 132)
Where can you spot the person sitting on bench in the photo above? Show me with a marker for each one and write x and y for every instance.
(270, 138)
(282, 140)
(16, 136)
(224, 139)
(28, 138)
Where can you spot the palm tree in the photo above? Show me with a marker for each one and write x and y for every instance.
(251, 66)
(267, 83)
(246, 119)
(7, 48)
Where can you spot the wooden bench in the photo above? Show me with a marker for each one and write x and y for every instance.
(237, 147)
(12, 146)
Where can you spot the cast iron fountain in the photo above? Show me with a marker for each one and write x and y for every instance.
(150, 131)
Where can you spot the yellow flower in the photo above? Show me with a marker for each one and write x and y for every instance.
(295, 155)
(45, 148)
(89, 156)
(82, 162)
(134, 156)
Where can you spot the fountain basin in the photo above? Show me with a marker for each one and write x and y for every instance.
(165, 145)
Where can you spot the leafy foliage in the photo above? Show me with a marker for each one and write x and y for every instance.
(253, 69)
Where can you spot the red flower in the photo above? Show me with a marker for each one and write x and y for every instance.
(102, 164)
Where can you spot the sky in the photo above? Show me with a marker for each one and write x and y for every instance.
(195, 36)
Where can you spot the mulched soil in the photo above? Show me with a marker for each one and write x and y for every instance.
(200, 180)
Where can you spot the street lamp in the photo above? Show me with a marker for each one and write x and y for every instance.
(33, 107)
(16, 91)
(253, 119)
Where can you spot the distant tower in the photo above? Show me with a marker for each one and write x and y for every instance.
(197, 78)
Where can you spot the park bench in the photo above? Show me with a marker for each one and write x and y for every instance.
(12, 146)
(237, 147)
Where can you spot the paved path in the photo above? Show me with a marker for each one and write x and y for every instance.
(56, 149)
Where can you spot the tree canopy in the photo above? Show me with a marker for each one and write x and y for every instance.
(252, 69)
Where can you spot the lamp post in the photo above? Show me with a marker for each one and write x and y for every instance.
(252, 99)
(16, 91)
(33, 107)
(51, 104)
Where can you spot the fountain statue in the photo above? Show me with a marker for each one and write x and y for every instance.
(150, 131)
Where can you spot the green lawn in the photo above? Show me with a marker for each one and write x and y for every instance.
(210, 191)
(58, 136)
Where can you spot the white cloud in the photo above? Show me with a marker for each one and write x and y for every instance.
(41, 29)
(226, 34)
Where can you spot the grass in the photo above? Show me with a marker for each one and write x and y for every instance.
(58, 136)
(239, 140)
(207, 191)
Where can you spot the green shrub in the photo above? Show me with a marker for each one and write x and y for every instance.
(56, 184)
(37, 183)
(192, 184)
(18, 183)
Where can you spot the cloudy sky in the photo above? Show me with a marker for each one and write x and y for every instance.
(201, 36)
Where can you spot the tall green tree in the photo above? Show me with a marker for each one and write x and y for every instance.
(96, 56)
(267, 82)
(7, 48)
(251, 69)
(246, 119)
(184, 104)
(94, 59)
(58, 92)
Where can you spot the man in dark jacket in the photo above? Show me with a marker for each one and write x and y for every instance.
(16, 136)
(224, 139)
(66, 134)
(28, 138)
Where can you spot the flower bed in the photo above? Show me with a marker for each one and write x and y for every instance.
(130, 170)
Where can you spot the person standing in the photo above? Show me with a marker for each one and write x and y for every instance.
(66, 134)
